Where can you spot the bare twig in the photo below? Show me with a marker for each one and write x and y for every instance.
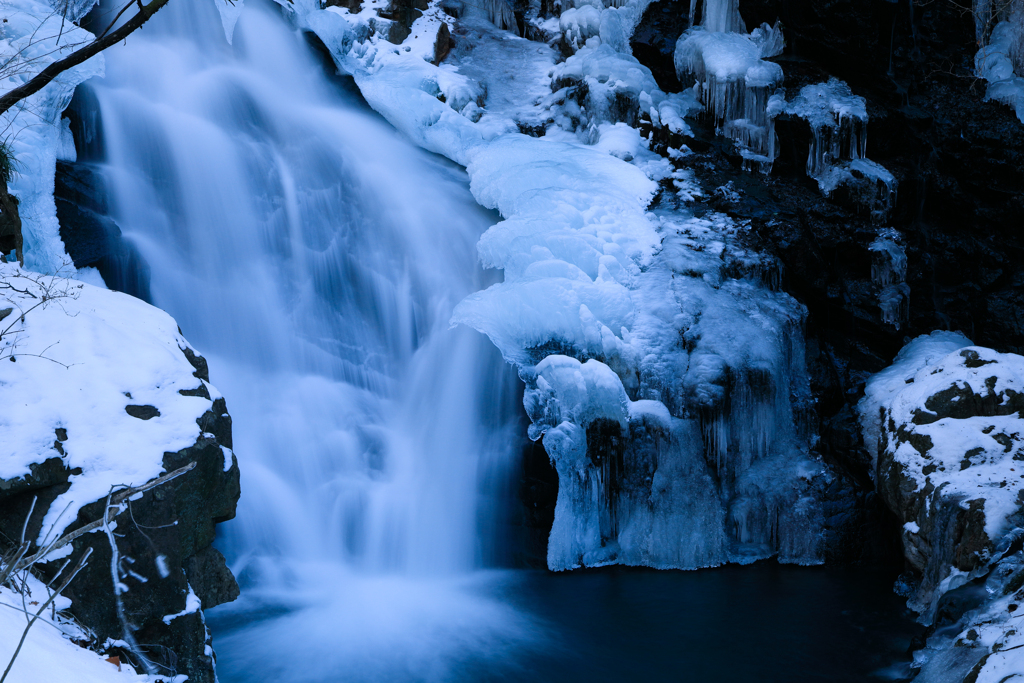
(44, 77)
(78, 567)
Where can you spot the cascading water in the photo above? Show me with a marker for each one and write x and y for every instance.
(315, 257)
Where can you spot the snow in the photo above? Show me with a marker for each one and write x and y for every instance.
(79, 361)
(47, 654)
(192, 605)
(883, 387)
(30, 30)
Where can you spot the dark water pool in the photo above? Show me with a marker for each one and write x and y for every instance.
(766, 622)
(761, 623)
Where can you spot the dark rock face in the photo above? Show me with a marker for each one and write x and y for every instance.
(90, 236)
(10, 223)
(959, 207)
(164, 539)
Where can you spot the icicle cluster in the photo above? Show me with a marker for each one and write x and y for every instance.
(838, 149)
(735, 83)
(889, 272)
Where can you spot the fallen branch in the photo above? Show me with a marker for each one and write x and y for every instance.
(116, 499)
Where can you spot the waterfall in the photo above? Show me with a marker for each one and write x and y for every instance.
(314, 256)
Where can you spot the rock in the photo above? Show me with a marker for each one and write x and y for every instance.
(210, 578)
(144, 412)
(10, 223)
(63, 452)
(443, 44)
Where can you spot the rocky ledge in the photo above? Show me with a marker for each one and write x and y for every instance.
(103, 395)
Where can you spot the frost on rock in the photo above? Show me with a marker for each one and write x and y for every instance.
(34, 34)
(97, 383)
(735, 83)
(889, 273)
(838, 150)
(947, 420)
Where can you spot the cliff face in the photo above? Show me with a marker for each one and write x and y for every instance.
(102, 393)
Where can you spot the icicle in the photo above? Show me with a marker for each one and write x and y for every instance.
(889, 271)
(735, 84)
(836, 156)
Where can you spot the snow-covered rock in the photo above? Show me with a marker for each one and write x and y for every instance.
(101, 392)
(950, 456)
(945, 422)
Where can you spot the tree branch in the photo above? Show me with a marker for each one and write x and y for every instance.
(44, 77)
(115, 499)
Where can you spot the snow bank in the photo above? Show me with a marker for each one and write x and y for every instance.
(73, 372)
(47, 654)
(35, 35)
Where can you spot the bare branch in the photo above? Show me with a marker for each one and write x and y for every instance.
(44, 77)
(115, 499)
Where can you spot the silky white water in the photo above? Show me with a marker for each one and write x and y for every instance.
(314, 257)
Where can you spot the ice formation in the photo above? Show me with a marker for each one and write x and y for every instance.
(736, 85)
(889, 273)
(1000, 61)
(838, 150)
(664, 377)
(34, 33)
